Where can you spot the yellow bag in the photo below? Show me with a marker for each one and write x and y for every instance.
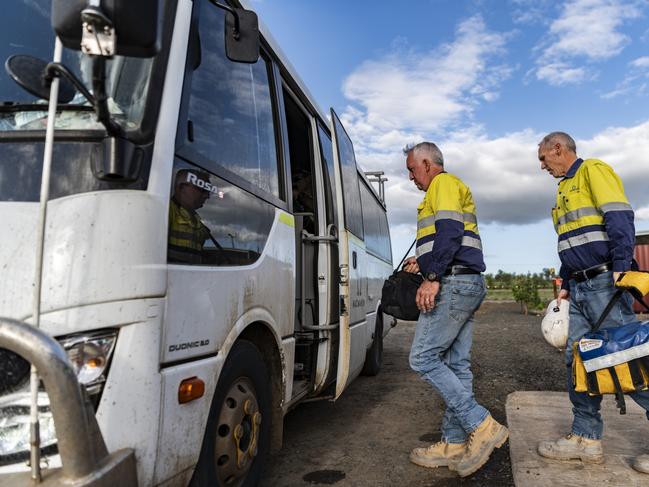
(629, 372)
(637, 281)
(632, 376)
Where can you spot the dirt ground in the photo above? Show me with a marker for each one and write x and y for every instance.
(364, 438)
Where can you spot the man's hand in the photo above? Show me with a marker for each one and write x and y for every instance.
(426, 295)
(410, 265)
(563, 294)
(616, 276)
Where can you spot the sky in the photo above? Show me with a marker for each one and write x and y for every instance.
(485, 80)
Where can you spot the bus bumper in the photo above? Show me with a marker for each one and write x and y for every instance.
(84, 457)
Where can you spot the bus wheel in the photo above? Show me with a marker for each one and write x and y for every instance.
(374, 355)
(237, 434)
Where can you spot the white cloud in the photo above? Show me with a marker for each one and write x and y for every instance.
(505, 176)
(641, 62)
(642, 213)
(635, 82)
(413, 90)
(586, 30)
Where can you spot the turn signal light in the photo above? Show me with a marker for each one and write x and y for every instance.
(190, 389)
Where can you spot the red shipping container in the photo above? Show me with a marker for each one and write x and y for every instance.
(641, 254)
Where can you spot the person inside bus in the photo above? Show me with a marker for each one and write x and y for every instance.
(187, 232)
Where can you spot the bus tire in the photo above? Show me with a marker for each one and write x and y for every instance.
(237, 434)
(374, 354)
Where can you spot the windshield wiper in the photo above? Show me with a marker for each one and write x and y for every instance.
(12, 107)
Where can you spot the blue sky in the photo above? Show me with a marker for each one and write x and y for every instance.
(485, 80)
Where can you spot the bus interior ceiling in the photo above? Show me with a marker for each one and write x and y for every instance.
(305, 212)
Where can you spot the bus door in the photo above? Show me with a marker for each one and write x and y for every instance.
(315, 236)
(351, 255)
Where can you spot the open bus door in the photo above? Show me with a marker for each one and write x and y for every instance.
(350, 234)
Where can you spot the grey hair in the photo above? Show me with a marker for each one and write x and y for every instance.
(560, 137)
(431, 149)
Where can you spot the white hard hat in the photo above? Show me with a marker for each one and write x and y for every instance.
(555, 323)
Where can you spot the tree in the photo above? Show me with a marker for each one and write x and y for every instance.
(526, 293)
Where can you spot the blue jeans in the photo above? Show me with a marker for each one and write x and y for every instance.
(441, 353)
(587, 302)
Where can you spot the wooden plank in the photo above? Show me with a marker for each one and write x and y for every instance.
(537, 416)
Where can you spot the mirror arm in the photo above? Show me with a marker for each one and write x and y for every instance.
(56, 69)
(101, 103)
(233, 12)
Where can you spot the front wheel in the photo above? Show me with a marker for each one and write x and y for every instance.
(374, 355)
(237, 435)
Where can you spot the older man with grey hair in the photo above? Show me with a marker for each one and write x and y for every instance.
(449, 256)
(594, 222)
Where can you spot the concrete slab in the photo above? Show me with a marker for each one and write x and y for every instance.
(536, 416)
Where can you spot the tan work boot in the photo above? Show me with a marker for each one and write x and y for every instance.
(440, 454)
(488, 435)
(573, 447)
(641, 463)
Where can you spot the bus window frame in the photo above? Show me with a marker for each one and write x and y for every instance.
(187, 154)
(146, 131)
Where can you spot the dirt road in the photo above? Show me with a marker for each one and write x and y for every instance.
(364, 438)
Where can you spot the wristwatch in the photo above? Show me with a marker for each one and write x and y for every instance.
(431, 276)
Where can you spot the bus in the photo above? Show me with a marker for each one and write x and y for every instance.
(209, 255)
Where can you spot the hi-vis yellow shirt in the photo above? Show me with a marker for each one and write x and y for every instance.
(593, 219)
(447, 227)
(187, 234)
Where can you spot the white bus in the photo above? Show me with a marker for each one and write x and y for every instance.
(212, 254)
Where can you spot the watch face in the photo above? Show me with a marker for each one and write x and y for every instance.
(431, 276)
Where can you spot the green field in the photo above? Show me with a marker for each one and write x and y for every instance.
(506, 295)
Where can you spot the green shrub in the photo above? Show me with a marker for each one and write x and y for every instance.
(526, 293)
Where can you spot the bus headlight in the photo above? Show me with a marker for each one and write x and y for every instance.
(90, 356)
(15, 425)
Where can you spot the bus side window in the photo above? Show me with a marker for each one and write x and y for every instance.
(349, 173)
(230, 109)
(375, 226)
(326, 152)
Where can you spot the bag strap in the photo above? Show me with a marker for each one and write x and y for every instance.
(609, 307)
(619, 292)
(407, 252)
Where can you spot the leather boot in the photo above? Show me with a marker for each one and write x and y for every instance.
(573, 447)
(488, 435)
(641, 463)
(440, 454)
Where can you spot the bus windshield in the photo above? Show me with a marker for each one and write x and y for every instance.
(27, 30)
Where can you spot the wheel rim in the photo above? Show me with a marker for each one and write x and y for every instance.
(237, 433)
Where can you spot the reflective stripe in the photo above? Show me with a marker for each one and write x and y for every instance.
(615, 207)
(571, 216)
(446, 215)
(470, 218)
(578, 240)
(426, 222)
(472, 242)
(424, 249)
(449, 215)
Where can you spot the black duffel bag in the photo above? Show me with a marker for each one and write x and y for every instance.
(399, 293)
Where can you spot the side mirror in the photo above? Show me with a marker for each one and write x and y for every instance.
(31, 74)
(122, 27)
(242, 36)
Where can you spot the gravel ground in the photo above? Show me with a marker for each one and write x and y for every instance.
(364, 438)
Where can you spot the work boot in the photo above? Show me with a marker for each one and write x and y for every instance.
(641, 463)
(440, 454)
(488, 435)
(573, 447)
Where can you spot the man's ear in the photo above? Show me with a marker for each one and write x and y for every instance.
(557, 148)
(426, 163)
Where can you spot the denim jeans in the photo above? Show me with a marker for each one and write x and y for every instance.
(441, 353)
(587, 302)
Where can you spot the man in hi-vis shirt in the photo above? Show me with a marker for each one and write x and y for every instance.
(449, 256)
